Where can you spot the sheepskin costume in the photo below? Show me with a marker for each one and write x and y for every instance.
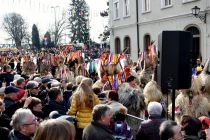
(144, 77)
(191, 102)
(133, 100)
(152, 92)
(207, 87)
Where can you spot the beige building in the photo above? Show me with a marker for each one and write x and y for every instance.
(130, 28)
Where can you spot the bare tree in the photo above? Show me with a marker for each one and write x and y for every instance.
(16, 27)
(58, 29)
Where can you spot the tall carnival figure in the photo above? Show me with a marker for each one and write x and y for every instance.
(191, 101)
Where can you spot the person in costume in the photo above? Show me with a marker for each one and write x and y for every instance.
(191, 101)
(199, 67)
(131, 96)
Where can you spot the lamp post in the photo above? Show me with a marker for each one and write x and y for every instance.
(199, 14)
(55, 32)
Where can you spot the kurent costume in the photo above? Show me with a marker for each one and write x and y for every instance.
(133, 100)
(191, 102)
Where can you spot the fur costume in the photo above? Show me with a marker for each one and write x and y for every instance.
(133, 100)
(207, 87)
(191, 102)
(44, 69)
(29, 67)
(152, 92)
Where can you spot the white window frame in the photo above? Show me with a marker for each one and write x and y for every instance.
(147, 8)
(126, 8)
(163, 3)
(187, 1)
(114, 9)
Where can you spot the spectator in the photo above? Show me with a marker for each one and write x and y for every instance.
(24, 125)
(55, 129)
(169, 130)
(120, 129)
(191, 126)
(4, 133)
(11, 101)
(55, 103)
(7, 75)
(83, 101)
(35, 105)
(149, 129)
(4, 119)
(98, 129)
(20, 84)
(33, 88)
(113, 102)
(68, 93)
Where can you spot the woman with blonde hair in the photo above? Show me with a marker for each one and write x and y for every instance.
(83, 101)
(55, 129)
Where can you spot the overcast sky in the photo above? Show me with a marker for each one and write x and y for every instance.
(39, 12)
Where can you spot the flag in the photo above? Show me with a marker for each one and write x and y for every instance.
(110, 58)
(115, 59)
(115, 81)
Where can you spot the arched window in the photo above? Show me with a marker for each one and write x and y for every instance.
(127, 45)
(196, 43)
(117, 46)
(147, 41)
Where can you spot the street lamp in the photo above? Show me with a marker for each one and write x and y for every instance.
(199, 14)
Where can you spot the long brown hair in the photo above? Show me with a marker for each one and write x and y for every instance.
(85, 94)
(55, 129)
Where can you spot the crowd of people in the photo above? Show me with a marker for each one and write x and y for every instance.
(46, 107)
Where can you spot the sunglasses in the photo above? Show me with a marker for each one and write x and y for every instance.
(36, 88)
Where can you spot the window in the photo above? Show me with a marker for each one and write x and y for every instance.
(145, 5)
(165, 3)
(147, 42)
(127, 45)
(126, 7)
(116, 10)
(117, 46)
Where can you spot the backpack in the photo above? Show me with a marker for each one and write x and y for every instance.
(120, 129)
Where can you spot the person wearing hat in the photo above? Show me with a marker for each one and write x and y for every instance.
(44, 89)
(33, 88)
(11, 101)
(149, 129)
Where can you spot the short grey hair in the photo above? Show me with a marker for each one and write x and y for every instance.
(154, 108)
(20, 117)
(99, 111)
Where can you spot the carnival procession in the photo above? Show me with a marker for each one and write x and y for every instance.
(144, 81)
